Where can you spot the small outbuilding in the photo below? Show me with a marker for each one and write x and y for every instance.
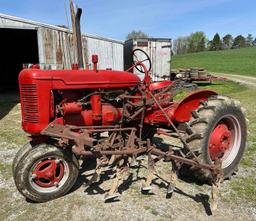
(159, 51)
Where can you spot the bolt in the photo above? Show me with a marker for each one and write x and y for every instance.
(56, 184)
(57, 161)
(33, 176)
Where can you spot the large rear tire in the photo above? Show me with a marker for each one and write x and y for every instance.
(217, 130)
(46, 173)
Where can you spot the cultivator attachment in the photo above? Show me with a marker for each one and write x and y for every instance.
(127, 146)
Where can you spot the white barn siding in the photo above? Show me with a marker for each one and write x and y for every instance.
(110, 52)
(55, 45)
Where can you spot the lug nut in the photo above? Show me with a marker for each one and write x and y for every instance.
(33, 176)
(57, 161)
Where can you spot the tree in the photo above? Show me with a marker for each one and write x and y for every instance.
(227, 41)
(180, 45)
(197, 42)
(239, 42)
(136, 34)
(254, 42)
(249, 40)
(216, 43)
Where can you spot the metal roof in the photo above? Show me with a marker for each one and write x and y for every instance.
(54, 27)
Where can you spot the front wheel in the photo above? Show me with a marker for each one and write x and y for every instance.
(46, 173)
(217, 131)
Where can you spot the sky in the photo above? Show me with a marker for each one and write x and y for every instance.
(157, 18)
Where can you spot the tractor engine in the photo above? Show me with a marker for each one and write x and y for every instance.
(82, 98)
(97, 113)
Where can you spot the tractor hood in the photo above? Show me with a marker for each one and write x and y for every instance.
(79, 79)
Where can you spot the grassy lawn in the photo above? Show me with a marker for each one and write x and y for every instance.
(227, 61)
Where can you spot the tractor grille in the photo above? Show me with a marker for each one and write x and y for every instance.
(30, 103)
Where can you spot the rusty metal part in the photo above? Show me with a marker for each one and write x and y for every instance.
(96, 175)
(121, 170)
(173, 126)
(146, 186)
(216, 181)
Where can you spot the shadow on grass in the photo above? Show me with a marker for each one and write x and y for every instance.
(7, 101)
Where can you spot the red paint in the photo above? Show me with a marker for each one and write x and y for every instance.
(190, 103)
(48, 173)
(159, 85)
(72, 108)
(95, 62)
(220, 140)
(74, 66)
(35, 66)
(110, 116)
(96, 108)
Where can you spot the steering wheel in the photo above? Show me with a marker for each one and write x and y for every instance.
(140, 56)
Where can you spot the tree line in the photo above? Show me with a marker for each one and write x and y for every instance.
(198, 41)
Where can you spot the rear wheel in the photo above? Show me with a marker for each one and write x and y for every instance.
(46, 173)
(217, 130)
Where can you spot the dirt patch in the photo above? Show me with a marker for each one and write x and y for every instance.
(246, 80)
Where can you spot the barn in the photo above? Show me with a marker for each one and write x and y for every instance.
(24, 42)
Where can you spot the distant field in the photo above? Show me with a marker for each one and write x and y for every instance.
(236, 61)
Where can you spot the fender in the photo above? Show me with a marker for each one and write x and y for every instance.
(182, 113)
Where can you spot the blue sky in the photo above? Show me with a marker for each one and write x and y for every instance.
(157, 18)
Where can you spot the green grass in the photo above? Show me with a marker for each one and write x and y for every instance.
(236, 61)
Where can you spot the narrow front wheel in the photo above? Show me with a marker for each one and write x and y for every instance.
(46, 173)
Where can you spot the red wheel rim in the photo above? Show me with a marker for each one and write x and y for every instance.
(220, 141)
(225, 140)
(48, 173)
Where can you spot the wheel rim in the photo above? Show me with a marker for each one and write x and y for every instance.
(225, 140)
(49, 174)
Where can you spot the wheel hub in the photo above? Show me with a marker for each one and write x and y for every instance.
(220, 141)
(48, 173)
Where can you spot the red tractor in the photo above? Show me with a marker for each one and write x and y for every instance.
(112, 116)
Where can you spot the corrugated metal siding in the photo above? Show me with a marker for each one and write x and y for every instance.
(110, 53)
(56, 46)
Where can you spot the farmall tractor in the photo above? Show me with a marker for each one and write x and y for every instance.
(113, 116)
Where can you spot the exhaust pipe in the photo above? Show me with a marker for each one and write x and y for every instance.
(79, 39)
